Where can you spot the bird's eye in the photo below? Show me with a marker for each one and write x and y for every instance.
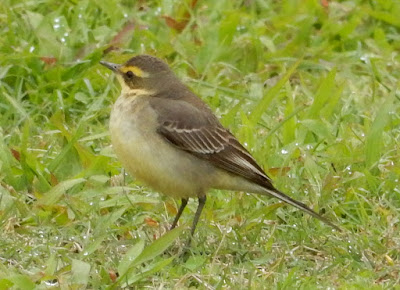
(129, 74)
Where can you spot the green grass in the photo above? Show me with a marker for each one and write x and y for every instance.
(311, 89)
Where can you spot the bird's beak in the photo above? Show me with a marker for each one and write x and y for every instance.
(112, 66)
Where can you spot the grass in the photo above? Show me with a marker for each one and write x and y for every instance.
(310, 87)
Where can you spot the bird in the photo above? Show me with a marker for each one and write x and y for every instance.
(169, 139)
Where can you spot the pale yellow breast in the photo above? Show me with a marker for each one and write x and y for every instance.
(149, 157)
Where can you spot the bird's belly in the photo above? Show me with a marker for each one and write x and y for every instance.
(152, 160)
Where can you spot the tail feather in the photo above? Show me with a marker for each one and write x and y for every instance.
(283, 197)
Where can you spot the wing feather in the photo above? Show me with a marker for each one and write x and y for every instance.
(216, 144)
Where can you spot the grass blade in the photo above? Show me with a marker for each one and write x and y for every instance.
(262, 106)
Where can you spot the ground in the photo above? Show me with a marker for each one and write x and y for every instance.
(309, 87)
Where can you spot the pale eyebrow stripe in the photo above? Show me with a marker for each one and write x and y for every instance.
(137, 71)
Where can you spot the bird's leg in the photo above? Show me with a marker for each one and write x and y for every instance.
(180, 211)
(202, 202)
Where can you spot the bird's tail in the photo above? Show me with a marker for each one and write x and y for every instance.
(283, 197)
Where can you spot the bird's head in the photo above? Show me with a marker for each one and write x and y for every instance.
(142, 72)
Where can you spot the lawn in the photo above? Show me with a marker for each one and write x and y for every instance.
(310, 87)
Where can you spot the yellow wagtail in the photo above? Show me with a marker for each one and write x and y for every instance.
(168, 138)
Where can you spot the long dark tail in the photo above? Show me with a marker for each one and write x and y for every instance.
(283, 197)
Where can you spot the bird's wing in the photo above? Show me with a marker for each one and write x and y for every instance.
(200, 133)
(194, 129)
